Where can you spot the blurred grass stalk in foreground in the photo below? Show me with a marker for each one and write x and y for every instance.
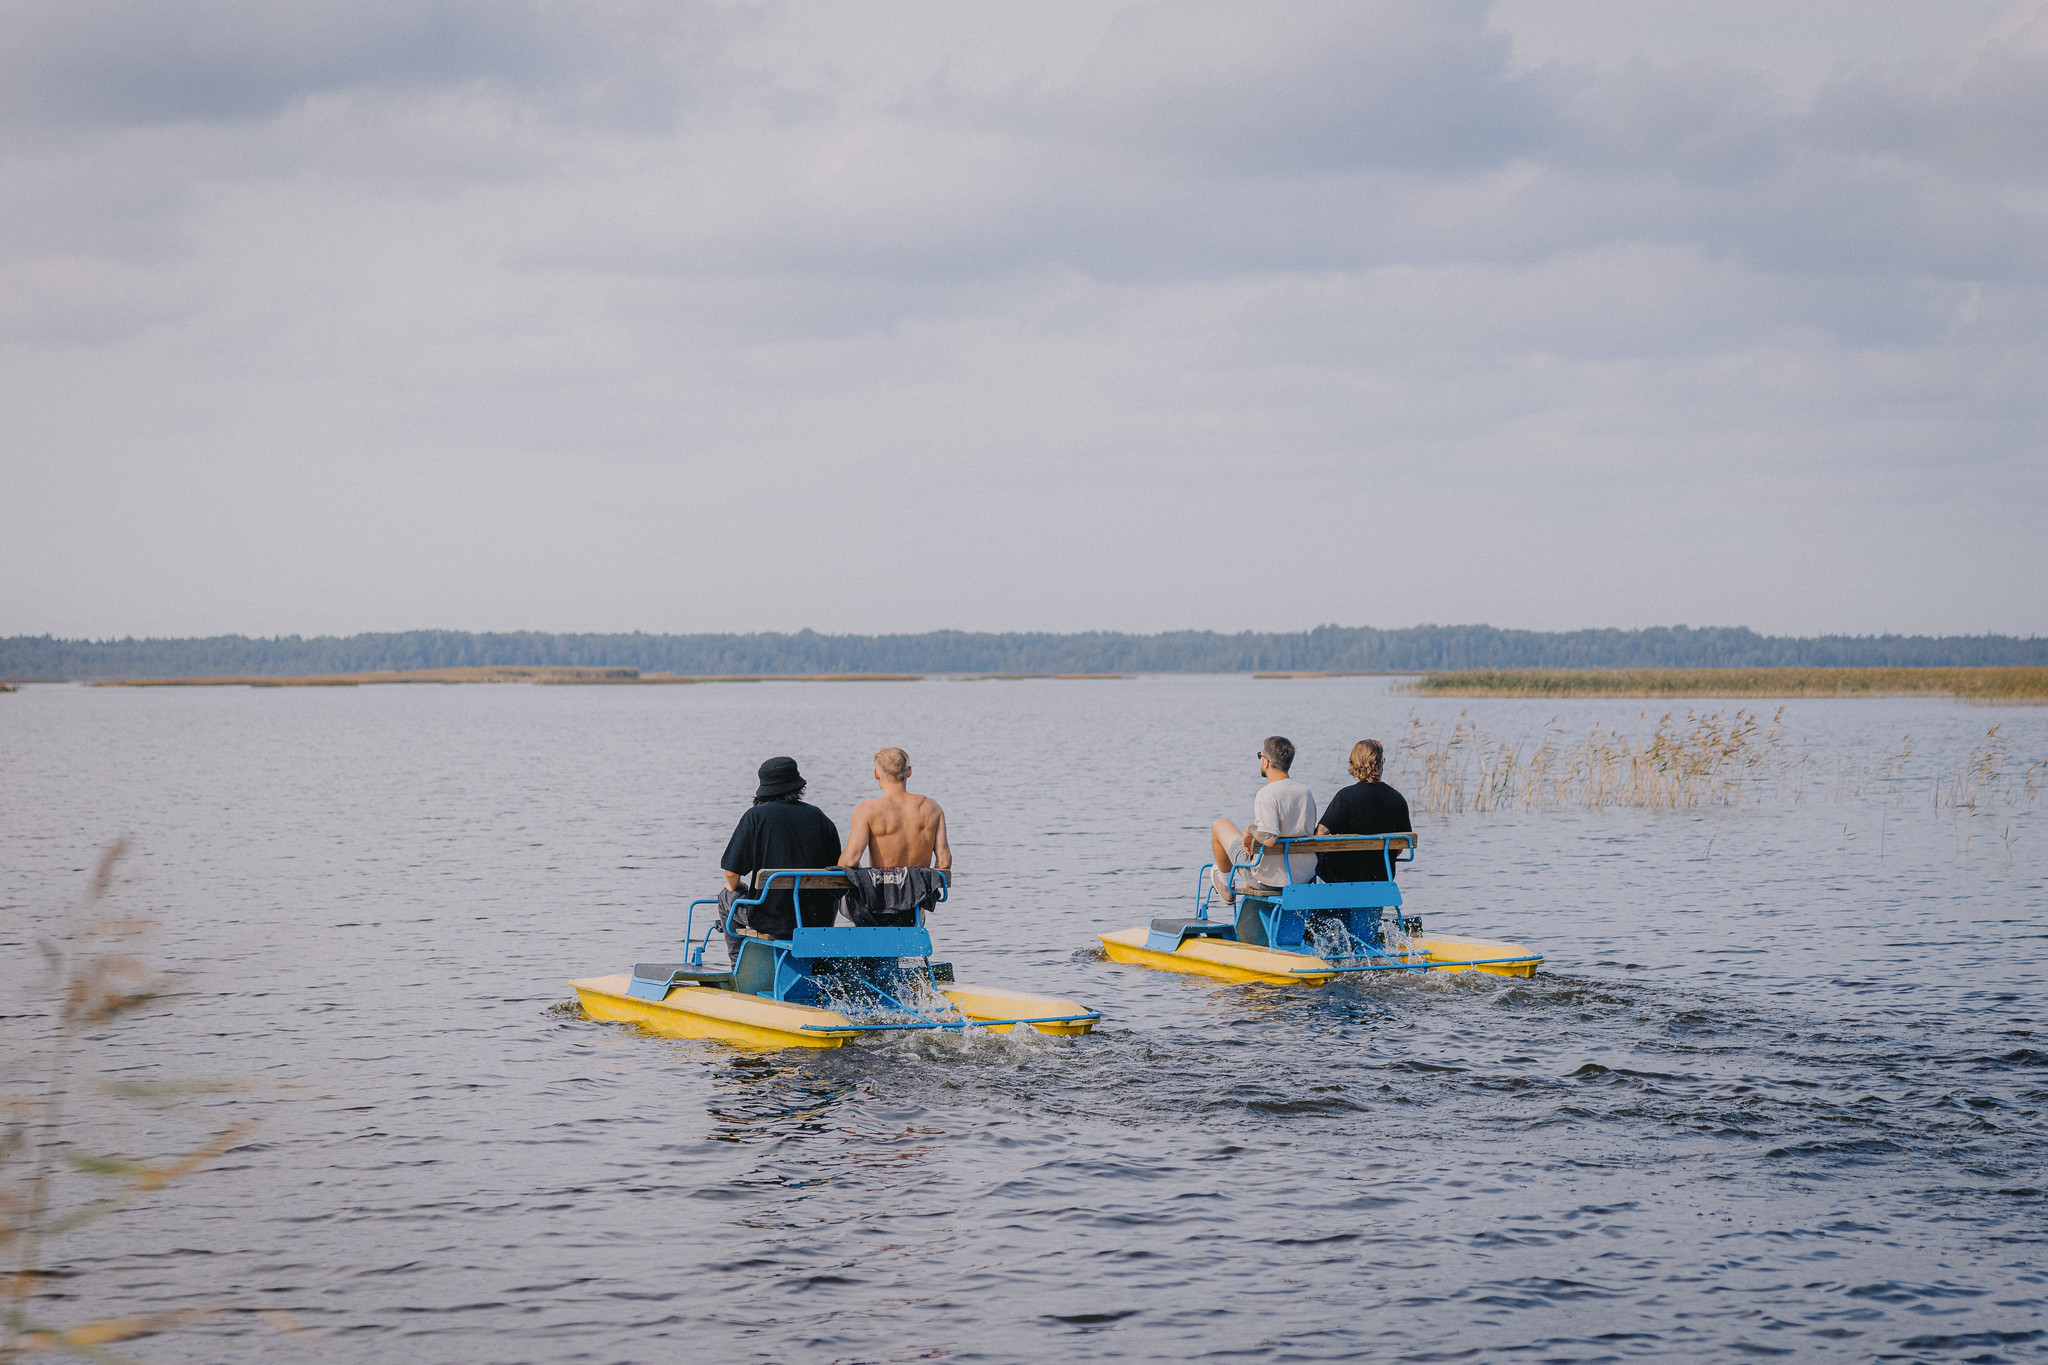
(48, 1128)
(2013, 686)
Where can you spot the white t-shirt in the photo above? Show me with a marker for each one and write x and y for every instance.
(1288, 809)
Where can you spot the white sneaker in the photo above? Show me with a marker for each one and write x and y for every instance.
(1222, 885)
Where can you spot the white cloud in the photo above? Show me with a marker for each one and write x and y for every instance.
(327, 317)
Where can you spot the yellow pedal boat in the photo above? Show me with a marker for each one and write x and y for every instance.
(818, 988)
(695, 1010)
(1311, 933)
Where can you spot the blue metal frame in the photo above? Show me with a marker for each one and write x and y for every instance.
(792, 966)
(865, 958)
(952, 1024)
(1279, 917)
(1394, 964)
(696, 958)
(808, 942)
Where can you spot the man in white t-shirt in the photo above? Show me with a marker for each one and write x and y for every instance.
(1283, 809)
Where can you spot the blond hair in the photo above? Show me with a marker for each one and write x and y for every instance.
(1368, 760)
(893, 763)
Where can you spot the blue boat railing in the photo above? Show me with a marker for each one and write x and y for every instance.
(954, 1025)
(696, 958)
(1423, 965)
(1283, 916)
(811, 942)
(1240, 885)
(818, 941)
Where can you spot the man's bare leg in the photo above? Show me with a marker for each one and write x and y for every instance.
(1226, 841)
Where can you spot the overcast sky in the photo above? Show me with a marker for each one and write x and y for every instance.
(391, 314)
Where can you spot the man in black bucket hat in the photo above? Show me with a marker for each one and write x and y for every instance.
(781, 830)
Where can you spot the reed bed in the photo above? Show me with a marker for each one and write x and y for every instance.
(2008, 686)
(1701, 760)
(1687, 762)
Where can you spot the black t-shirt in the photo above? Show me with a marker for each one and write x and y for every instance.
(1361, 808)
(784, 834)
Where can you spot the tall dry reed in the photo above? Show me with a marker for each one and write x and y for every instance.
(1697, 761)
(48, 1131)
(1684, 762)
(1990, 774)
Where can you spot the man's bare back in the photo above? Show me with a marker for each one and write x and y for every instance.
(899, 828)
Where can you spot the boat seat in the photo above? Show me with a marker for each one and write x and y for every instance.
(1169, 932)
(1194, 928)
(654, 980)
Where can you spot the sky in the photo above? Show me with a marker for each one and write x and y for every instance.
(490, 315)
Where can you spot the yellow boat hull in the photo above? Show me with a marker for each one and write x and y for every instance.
(995, 1002)
(693, 1011)
(1226, 960)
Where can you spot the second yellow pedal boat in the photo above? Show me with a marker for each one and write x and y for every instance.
(1311, 933)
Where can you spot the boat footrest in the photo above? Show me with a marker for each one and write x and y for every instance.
(654, 980)
(1167, 934)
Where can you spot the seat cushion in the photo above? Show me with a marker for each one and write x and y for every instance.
(673, 972)
(1197, 927)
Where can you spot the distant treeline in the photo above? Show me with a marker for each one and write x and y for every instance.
(1333, 649)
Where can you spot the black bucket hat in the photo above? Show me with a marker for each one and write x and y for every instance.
(779, 777)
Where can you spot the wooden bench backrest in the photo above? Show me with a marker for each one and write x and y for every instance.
(807, 879)
(1342, 843)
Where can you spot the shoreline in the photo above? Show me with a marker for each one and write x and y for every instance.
(539, 675)
(1984, 685)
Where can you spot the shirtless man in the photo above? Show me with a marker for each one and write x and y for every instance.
(899, 828)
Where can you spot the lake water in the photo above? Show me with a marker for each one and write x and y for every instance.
(1777, 1090)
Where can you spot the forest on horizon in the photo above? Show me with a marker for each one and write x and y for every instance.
(1335, 649)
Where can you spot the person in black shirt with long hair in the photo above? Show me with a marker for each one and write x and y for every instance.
(1367, 806)
(779, 830)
